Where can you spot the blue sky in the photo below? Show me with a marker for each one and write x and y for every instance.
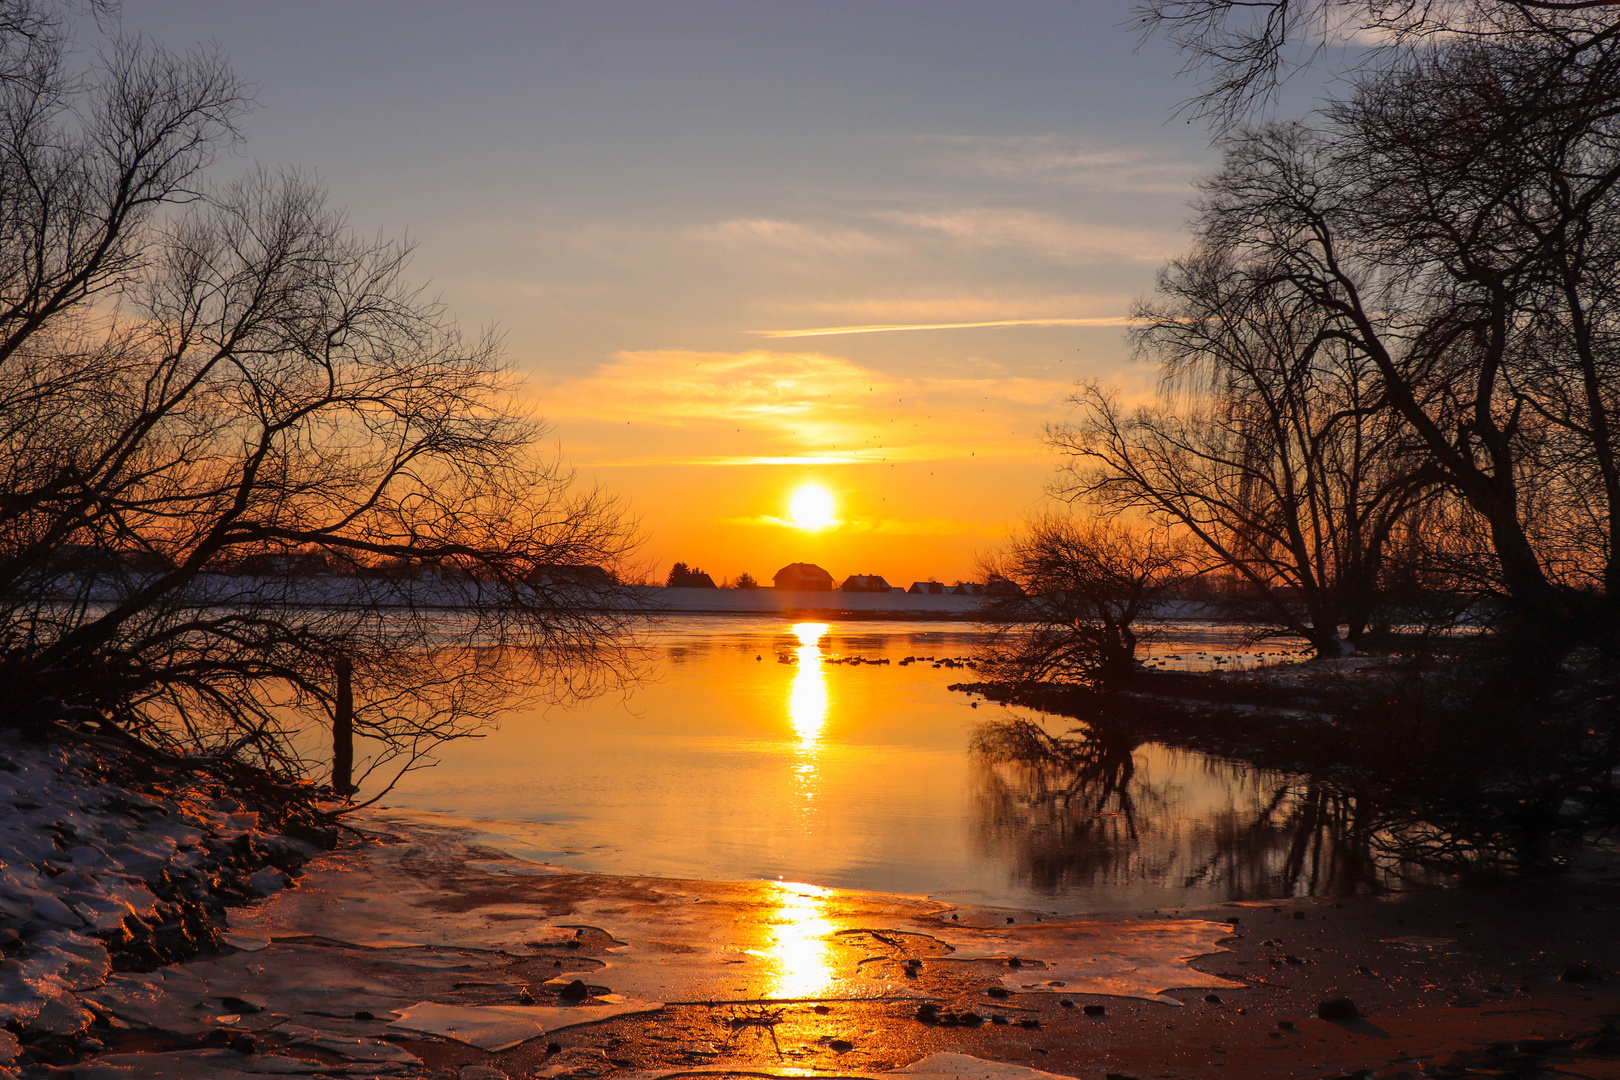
(644, 196)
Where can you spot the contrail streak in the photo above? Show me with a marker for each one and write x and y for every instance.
(881, 328)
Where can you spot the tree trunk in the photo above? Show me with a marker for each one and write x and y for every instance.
(343, 730)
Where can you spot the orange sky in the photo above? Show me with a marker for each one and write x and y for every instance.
(731, 246)
(927, 471)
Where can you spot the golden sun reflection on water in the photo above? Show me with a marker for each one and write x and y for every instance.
(800, 956)
(807, 701)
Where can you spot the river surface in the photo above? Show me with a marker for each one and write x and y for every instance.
(760, 750)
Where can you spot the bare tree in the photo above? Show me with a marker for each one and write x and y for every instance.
(1082, 587)
(1457, 226)
(1269, 445)
(238, 451)
(1243, 51)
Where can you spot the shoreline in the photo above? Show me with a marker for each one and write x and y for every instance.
(414, 952)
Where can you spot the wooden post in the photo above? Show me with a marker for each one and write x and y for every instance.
(343, 731)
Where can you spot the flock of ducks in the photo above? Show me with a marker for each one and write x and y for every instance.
(938, 662)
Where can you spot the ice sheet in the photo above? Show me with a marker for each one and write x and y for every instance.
(501, 1027)
(1138, 959)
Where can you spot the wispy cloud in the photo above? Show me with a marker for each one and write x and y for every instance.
(881, 526)
(830, 331)
(1062, 161)
(798, 408)
(790, 237)
(1054, 237)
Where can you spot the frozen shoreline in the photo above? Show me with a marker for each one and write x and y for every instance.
(418, 954)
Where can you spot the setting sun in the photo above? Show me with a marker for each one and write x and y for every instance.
(811, 508)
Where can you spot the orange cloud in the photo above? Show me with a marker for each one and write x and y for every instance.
(805, 408)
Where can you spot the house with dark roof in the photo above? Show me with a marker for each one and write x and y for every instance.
(864, 583)
(926, 588)
(803, 577)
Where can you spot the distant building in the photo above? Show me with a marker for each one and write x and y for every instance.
(996, 586)
(804, 577)
(142, 561)
(864, 583)
(583, 577)
(85, 559)
(283, 564)
(1002, 587)
(926, 588)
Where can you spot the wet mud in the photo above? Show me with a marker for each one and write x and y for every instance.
(418, 954)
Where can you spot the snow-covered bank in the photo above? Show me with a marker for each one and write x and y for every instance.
(108, 861)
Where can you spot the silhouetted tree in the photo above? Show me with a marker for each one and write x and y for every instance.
(1458, 226)
(1081, 588)
(196, 378)
(682, 576)
(1270, 445)
(1244, 50)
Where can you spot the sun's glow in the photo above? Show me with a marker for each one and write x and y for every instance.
(811, 508)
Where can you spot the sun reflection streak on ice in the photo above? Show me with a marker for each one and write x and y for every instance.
(800, 954)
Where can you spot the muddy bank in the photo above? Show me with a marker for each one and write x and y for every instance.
(410, 951)
(418, 954)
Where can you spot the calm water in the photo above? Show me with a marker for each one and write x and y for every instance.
(759, 751)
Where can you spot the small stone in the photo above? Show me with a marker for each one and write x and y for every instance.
(998, 991)
(1009, 918)
(998, 1020)
(574, 991)
(525, 997)
(1014, 962)
(823, 1010)
(552, 1048)
(1066, 1003)
(1213, 999)
(1286, 1025)
(1095, 1010)
(1299, 914)
(1337, 1009)
(1029, 1023)
(244, 1044)
(969, 1019)
(928, 1012)
(841, 1045)
(1290, 958)
(363, 1014)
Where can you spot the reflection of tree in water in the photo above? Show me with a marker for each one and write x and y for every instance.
(1074, 810)
(1297, 837)
(1066, 808)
